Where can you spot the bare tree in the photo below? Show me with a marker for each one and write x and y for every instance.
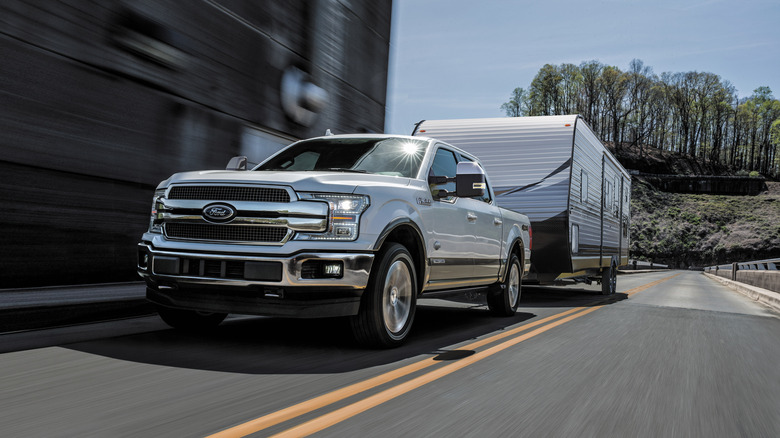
(693, 112)
(590, 92)
(517, 105)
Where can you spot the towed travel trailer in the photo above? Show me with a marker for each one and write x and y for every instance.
(557, 172)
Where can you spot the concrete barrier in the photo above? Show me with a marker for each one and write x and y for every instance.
(47, 307)
(764, 279)
(709, 184)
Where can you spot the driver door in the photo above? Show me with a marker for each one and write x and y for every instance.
(450, 248)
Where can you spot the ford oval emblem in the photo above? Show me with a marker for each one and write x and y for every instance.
(219, 213)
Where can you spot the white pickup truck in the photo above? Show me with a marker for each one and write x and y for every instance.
(342, 225)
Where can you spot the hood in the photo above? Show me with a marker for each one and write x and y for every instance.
(328, 182)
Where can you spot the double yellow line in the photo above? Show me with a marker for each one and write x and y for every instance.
(367, 403)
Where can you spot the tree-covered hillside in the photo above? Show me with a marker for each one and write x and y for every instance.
(694, 113)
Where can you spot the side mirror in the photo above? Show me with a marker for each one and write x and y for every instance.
(237, 163)
(469, 180)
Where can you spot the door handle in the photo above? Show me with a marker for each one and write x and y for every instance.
(471, 217)
(497, 221)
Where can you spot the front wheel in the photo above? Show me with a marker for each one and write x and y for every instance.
(388, 304)
(190, 319)
(504, 299)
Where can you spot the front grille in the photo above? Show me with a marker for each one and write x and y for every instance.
(229, 193)
(227, 233)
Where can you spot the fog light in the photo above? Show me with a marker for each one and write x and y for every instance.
(143, 259)
(317, 268)
(332, 269)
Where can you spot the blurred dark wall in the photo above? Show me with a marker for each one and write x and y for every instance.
(101, 100)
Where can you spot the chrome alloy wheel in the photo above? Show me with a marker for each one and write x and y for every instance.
(514, 285)
(397, 297)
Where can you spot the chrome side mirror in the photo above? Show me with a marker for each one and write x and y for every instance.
(469, 180)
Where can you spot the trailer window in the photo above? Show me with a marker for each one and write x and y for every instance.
(575, 239)
(584, 186)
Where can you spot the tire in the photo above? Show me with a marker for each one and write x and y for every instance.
(609, 279)
(190, 319)
(503, 300)
(388, 304)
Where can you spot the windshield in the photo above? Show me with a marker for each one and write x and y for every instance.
(385, 156)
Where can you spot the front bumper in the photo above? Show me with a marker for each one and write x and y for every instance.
(257, 285)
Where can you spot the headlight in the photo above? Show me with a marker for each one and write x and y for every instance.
(343, 217)
(155, 221)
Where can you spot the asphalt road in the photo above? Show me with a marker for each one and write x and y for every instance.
(672, 354)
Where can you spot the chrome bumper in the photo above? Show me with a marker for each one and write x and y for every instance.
(172, 269)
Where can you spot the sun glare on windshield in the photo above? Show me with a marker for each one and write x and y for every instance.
(410, 148)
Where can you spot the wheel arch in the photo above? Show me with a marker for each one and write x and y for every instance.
(517, 248)
(406, 232)
(613, 263)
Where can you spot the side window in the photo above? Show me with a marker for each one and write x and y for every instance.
(486, 197)
(444, 164)
(583, 186)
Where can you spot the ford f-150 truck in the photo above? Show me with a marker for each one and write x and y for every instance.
(340, 225)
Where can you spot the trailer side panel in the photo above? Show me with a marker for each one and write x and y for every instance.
(529, 162)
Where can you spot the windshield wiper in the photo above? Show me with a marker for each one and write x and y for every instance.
(344, 169)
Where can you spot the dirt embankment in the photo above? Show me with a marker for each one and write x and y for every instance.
(700, 230)
(648, 159)
(685, 230)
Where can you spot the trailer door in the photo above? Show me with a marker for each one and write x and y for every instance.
(621, 222)
(611, 221)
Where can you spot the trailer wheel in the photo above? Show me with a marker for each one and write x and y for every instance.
(503, 300)
(609, 279)
(389, 302)
(190, 319)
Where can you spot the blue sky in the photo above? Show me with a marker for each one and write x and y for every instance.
(461, 59)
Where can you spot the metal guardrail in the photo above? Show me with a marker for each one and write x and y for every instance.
(757, 265)
(641, 264)
(760, 273)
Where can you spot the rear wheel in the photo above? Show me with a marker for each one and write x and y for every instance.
(389, 302)
(190, 319)
(609, 279)
(504, 299)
